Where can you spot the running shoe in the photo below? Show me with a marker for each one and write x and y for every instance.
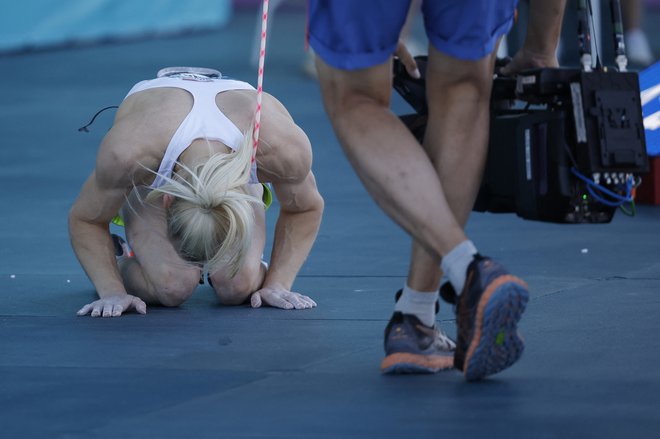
(487, 314)
(412, 347)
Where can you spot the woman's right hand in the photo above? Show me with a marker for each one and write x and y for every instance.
(113, 306)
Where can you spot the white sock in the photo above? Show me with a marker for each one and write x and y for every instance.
(418, 303)
(456, 262)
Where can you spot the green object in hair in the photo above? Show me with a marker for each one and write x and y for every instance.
(267, 197)
(118, 220)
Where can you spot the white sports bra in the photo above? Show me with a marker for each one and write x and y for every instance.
(205, 120)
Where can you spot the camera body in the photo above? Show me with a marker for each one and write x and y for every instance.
(551, 130)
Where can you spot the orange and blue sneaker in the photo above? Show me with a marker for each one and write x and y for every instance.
(487, 314)
(412, 347)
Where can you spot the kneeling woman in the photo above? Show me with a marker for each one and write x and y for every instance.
(178, 167)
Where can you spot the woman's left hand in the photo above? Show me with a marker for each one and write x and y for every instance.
(280, 298)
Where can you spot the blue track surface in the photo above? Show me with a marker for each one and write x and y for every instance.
(590, 367)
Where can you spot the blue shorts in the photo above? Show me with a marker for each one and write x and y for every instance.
(356, 34)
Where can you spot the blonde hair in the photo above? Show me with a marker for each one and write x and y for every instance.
(211, 217)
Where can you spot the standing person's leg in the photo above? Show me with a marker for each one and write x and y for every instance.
(391, 163)
(456, 142)
(464, 39)
(401, 178)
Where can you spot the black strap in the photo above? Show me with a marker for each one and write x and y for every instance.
(84, 129)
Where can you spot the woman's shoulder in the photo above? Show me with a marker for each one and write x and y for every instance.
(134, 146)
(150, 118)
(160, 103)
(284, 153)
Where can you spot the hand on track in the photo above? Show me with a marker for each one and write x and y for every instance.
(113, 306)
(280, 298)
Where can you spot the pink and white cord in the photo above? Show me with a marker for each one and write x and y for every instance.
(260, 80)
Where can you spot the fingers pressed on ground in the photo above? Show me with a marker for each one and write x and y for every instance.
(84, 310)
(255, 300)
(117, 310)
(309, 303)
(295, 300)
(139, 305)
(299, 305)
(280, 302)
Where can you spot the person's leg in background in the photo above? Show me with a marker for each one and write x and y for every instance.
(637, 44)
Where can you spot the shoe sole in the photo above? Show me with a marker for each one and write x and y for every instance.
(496, 344)
(406, 363)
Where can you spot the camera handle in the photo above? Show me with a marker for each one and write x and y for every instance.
(617, 33)
(584, 16)
(584, 34)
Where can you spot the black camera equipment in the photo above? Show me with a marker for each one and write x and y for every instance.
(566, 145)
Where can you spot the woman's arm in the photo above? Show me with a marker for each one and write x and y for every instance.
(285, 160)
(100, 199)
(301, 210)
(89, 221)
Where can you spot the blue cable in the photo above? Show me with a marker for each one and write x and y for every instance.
(603, 200)
(591, 185)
